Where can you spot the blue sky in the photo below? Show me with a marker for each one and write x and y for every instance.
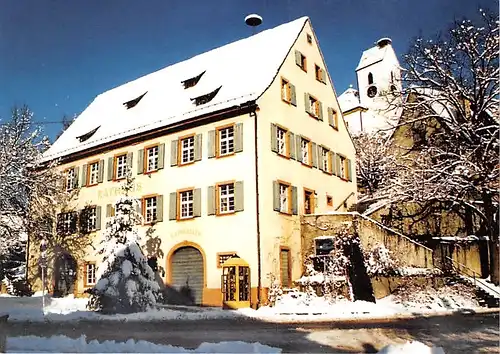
(57, 55)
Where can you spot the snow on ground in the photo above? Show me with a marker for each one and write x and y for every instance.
(290, 307)
(411, 348)
(63, 344)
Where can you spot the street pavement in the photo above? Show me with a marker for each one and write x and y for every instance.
(475, 333)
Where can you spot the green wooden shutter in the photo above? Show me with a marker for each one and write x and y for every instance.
(332, 164)
(298, 58)
(238, 137)
(349, 170)
(294, 201)
(330, 116)
(172, 206)
(291, 141)
(293, 95)
(307, 103)
(173, 152)
(314, 150)
(211, 144)
(197, 202)
(100, 176)
(76, 177)
(198, 153)
(140, 161)
(211, 200)
(320, 110)
(276, 196)
(84, 175)
(337, 166)
(109, 210)
(274, 139)
(98, 212)
(130, 159)
(238, 196)
(323, 76)
(161, 156)
(111, 166)
(320, 157)
(159, 208)
(138, 210)
(298, 140)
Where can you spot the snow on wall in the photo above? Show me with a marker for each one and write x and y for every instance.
(242, 69)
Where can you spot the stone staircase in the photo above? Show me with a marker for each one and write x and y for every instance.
(486, 294)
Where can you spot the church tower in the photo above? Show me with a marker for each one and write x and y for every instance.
(379, 86)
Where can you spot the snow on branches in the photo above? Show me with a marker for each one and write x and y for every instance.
(380, 261)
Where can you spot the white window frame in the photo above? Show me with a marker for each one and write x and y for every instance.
(226, 140)
(91, 219)
(286, 93)
(304, 151)
(324, 160)
(150, 209)
(284, 198)
(153, 158)
(226, 198)
(186, 204)
(314, 104)
(121, 166)
(90, 273)
(70, 179)
(67, 222)
(93, 173)
(281, 141)
(343, 167)
(187, 150)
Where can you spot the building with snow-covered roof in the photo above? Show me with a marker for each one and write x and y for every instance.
(372, 108)
(227, 149)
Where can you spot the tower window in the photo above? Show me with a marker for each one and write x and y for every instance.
(192, 81)
(134, 102)
(370, 78)
(205, 98)
(87, 136)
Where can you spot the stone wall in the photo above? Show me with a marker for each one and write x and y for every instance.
(370, 232)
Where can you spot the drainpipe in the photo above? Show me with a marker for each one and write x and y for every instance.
(259, 268)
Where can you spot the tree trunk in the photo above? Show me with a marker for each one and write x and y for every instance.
(494, 261)
(494, 247)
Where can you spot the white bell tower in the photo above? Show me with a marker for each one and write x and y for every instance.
(379, 86)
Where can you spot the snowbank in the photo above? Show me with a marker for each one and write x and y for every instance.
(63, 344)
(411, 348)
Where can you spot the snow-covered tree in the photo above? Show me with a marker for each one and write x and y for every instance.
(380, 261)
(26, 186)
(451, 90)
(126, 283)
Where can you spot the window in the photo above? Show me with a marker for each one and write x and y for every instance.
(226, 198)
(93, 173)
(309, 39)
(333, 119)
(225, 137)
(314, 106)
(285, 267)
(301, 60)
(285, 91)
(90, 274)
(224, 256)
(342, 167)
(187, 150)
(370, 78)
(71, 179)
(134, 102)
(193, 81)
(121, 166)
(305, 147)
(284, 198)
(325, 160)
(329, 200)
(205, 98)
(91, 219)
(152, 157)
(281, 138)
(66, 223)
(87, 136)
(308, 201)
(186, 204)
(150, 210)
(320, 74)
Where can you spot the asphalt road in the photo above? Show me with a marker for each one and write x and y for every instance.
(477, 333)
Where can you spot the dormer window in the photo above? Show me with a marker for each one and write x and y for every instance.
(370, 78)
(205, 98)
(87, 136)
(134, 102)
(192, 81)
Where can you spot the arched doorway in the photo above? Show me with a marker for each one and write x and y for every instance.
(65, 267)
(187, 275)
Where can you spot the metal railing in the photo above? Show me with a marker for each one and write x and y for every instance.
(466, 271)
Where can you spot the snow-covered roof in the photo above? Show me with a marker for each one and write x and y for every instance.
(372, 56)
(349, 100)
(242, 70)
